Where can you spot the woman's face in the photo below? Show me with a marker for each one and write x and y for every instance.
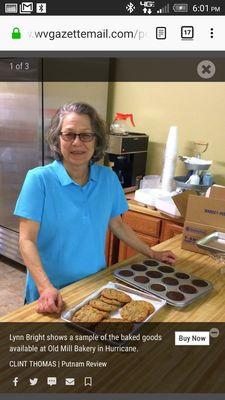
(76, 152)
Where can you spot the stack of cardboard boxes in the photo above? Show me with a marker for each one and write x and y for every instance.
(203, 216)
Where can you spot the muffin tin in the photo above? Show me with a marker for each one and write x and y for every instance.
(178, 288)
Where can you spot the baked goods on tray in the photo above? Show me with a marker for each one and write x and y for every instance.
(136, 310)
(116, 295)
(110, 300)
(89, 314)
(102, 306)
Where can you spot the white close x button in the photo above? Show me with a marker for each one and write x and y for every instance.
(192, 338)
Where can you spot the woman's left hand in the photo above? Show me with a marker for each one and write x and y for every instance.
(166, 256)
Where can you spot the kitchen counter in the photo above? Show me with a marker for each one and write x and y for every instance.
(138, 207)
(207, 309)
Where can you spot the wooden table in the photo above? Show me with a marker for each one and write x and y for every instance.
(207, 309)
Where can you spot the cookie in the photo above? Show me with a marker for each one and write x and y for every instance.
(110, 301)
(136, 311)
(148, 305)
(116, 295)
(100, 305)
(88, 314)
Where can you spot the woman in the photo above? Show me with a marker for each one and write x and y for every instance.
(66, 207)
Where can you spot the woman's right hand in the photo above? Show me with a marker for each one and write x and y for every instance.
(50, 301)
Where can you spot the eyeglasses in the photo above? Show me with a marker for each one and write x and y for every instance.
(71, 136)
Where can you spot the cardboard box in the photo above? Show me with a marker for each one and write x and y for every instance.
(217, 192)
(203, 216)
(181, 201)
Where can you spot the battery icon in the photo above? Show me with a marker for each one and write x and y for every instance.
(181, 8)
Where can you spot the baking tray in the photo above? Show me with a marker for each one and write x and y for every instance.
(213, 243)
(157, 302)
(176, 287)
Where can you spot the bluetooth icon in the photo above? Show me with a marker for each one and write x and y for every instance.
(41, 8)
(130, 7)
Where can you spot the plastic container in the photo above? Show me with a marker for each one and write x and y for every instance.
(150, 182)
(194, 179)
(207, 179)
(149, 196)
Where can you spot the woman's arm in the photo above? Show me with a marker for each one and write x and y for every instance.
(50, 299)
(127, 235)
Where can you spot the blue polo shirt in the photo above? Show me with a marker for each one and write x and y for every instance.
(73, 220)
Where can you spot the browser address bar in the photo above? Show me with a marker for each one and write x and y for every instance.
(97, 34)
(111, 33)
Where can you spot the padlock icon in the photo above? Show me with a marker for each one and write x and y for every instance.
(16, 34)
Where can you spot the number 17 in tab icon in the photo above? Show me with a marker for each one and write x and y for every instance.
(187, 32)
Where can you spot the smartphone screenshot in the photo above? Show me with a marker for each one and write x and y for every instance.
(112, 200)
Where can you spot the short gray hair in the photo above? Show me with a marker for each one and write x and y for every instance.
(97, 124)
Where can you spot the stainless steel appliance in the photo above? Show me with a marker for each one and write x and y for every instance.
(127, 155)
(25, 111)
(20, 150)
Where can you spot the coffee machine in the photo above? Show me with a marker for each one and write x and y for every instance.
(127, 155)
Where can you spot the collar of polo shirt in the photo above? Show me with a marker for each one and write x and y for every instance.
(64, 177)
